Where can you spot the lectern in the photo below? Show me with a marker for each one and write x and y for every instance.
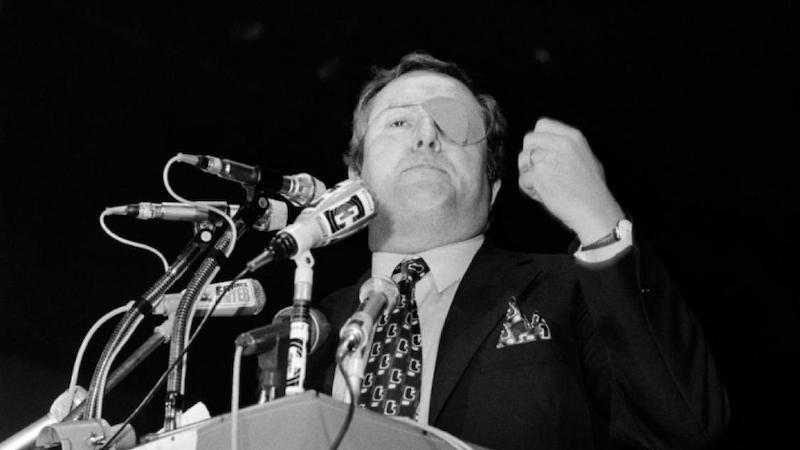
(306, 421)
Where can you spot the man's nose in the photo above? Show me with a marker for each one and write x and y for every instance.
(427, 136)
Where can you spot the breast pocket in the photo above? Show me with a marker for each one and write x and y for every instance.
(529, 353)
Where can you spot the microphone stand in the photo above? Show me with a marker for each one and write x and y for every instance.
(186, 308)
(26, 438)
(300, 331)
(161, 335)
(353, 365)
(272, 372)
(196, 246)
(256, 208)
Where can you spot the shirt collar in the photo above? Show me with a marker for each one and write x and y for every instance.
(447, 263)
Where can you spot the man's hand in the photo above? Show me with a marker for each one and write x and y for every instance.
(558, 169)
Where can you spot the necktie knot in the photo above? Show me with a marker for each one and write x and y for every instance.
(410, 270)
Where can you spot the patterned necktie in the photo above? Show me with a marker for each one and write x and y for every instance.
(392, 376)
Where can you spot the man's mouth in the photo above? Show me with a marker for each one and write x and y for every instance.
(423, 167)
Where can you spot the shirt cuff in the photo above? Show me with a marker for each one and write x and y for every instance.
(606, 253)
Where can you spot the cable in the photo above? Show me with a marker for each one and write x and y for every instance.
(164, 375)
(151, 296)
(102, 392)
(234, 230)
(129, 242)
(235, 385)
(76, 366)
(443, 435)
(350, 409)
(79, 358)
(176, 379)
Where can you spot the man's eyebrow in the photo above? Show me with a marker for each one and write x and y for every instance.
(404, 105)
(390, 107)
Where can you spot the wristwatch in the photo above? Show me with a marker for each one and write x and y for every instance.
(623, 229)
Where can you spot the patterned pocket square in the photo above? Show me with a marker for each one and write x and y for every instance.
(517, 329)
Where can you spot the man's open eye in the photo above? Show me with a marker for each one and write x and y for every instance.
(398, 123)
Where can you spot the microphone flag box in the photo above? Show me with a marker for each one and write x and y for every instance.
(246, 297)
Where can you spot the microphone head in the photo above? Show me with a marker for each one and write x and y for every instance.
(276, 217)
(304, 190)
(342, 211)
(380, 285)
(320, 328)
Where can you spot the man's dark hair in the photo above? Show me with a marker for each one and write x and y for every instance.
(493, 120)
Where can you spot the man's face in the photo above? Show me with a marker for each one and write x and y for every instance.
(424, 153)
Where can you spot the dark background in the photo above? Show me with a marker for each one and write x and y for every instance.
(689, 107)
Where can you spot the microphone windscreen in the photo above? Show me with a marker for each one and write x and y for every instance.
(320, 328)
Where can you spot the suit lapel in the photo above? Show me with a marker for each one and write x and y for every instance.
(478, 306)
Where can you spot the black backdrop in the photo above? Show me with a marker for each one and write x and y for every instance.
(686, 106)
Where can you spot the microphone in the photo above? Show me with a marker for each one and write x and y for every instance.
(262, 339)
(275, 218)
(301, 190)
(245, 298)
(340, 212)
(378, 295)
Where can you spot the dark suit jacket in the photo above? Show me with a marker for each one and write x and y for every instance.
(626, 365)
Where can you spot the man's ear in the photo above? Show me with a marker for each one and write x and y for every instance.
(495, 190)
